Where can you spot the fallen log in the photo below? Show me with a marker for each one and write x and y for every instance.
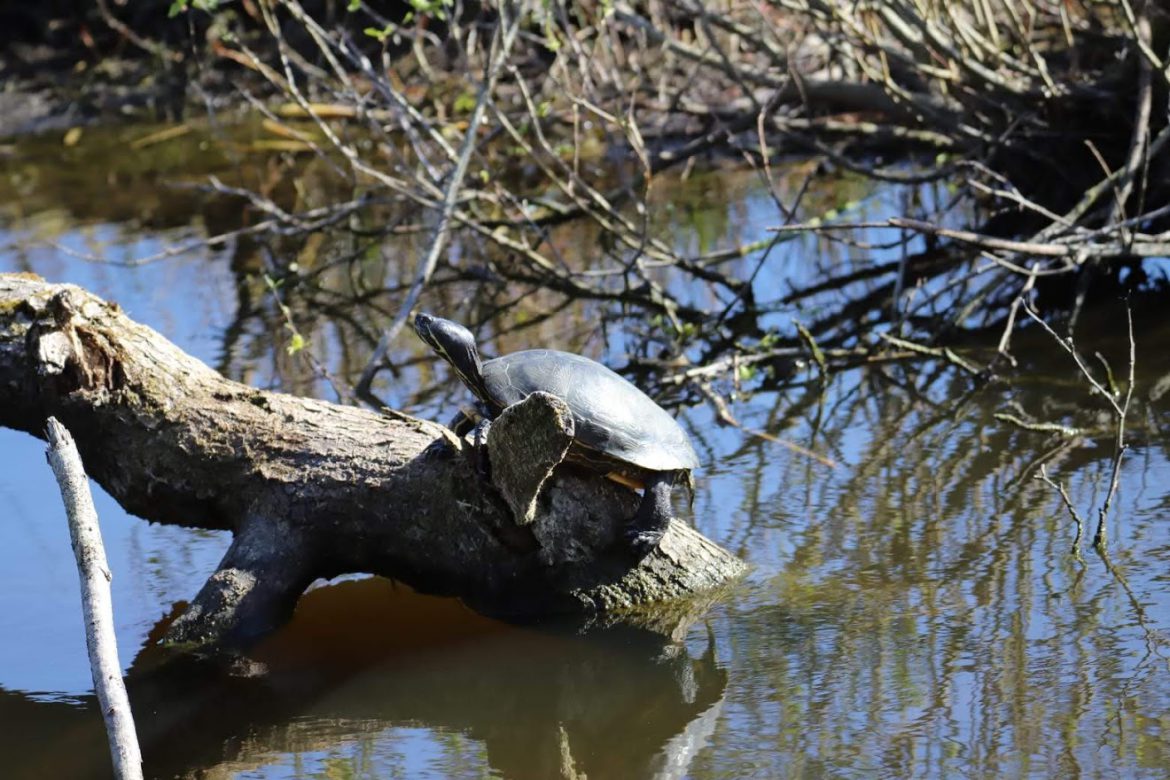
(311, 489)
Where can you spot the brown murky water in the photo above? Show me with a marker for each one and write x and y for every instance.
(913, 610)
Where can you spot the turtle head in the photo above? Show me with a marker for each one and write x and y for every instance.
(455, 344)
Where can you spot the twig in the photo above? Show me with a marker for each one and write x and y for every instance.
(509, 26)
(945, 353)
(97, 608)
(298, 343)
(1072, 510)
(987, 242)
(1067, 345)
(283, 223)
(626, 15)
(725, 417)
(1120, 411)
(1100, 538)
(1141, 121)
(1038, 427)
(149, 46)
(1006, 339)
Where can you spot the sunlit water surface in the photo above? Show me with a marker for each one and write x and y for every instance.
(913, 608)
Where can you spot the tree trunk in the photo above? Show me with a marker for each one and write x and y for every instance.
(313, 489)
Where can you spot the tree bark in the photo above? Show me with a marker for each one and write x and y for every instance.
(312, 489)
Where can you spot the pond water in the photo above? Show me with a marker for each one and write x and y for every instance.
(914, 608)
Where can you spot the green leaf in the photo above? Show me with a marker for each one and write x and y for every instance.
(296, 343)
(179, 6)
(464, 103)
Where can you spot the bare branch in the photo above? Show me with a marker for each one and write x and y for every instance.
(96, 603)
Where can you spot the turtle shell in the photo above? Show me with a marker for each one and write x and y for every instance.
(611, 415)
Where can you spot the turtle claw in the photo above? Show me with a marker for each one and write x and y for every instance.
(479, 436)
(646, 528)
(642, 542)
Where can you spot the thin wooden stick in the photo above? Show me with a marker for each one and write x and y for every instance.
(96, 603)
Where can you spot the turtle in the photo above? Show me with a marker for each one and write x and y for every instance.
(619, 431)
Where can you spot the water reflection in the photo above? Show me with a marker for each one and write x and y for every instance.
(914, 610)
(367, 675)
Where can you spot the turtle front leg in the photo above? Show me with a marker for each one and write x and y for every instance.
(479, 445)
(646, 528)
(466, 419)
(474, 422)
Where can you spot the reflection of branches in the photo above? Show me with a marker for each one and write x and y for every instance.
(1120, 410)
(1120, 407)
(1072, 510)
(297, 342)
(281, 223)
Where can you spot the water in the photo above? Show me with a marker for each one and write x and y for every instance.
(913, 608)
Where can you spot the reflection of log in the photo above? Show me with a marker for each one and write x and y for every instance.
(312, 489)
(362, 659)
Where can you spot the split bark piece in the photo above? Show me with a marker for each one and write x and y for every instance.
(525, 444)
(96, 603)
